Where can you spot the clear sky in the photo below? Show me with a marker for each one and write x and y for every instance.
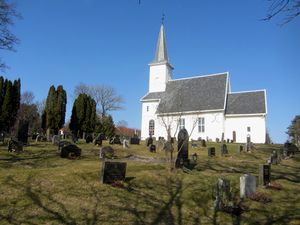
(112, 41)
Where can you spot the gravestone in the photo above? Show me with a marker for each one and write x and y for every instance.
(211, 151)
(264, 174)
(74, 138)
(70, 151)
(88, 138)
(152, 148)
(240, 148)
(56, 140)
(233, 136)
(23, 131)
(222, 139)
(115, 140)
(2, 137)
(228, 140)
(112, 172)
(98, 140)
(149, 141)
(106, 152)
(193, 144)
(15, 146)
(203, 143)
(33, 136)
(217, 140)
(183, 149)
(247, 185)
(274, 158)
(125, 144)
(195, 157)
(134, 141)
(222, 194)
(224, 150)
(172, 140)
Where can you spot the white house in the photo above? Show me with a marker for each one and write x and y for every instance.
(204, 105)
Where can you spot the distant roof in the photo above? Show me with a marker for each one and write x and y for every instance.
(252, 102)
(152, 96)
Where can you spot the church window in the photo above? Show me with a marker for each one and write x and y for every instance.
(201, 124)
(181, 123)
(147, 108)
(151, 127)
(248, 129)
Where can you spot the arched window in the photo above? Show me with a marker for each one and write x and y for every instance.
(151, 127)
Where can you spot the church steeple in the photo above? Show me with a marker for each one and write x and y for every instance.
(160, 69)
(161, 54)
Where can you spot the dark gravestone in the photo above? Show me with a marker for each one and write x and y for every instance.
(211, 151)
(264, 174)
(217, 140)
(240, 149)
(172, 140)
(228, 141)
(203, 143)
(115, 140)
(23, 131)
(183, 149)
(134, 141)
(152, 148)
(112, 172)
(33, 136)
(70, 151)
(222, 194)
(15, 146)
(106, 152)
(89, 138)
(233, 136)
(222, 139)
(2, 137)
(98, 140)
(149, 141)
(224, 150)
(74, 138)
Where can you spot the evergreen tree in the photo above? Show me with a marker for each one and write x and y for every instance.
(9, 103)
(108, 126)
(294, 130)
(83, 116)
(54, 115)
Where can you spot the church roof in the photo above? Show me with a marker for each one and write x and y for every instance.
(252, 102)
(192, 94)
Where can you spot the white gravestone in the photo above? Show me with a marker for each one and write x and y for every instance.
(247, 185)
(125, 144)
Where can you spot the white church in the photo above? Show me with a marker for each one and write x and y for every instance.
(204, 105)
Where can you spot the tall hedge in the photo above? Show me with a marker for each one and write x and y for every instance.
(9, 102)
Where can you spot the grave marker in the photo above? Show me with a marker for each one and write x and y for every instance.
(211, 151)
(183, 149)
(112, 172)
(247, 185)
(264, 174)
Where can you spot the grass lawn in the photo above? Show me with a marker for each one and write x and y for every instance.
(39, 187)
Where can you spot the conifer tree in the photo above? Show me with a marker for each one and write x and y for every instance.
(83, 116)
(53, 117)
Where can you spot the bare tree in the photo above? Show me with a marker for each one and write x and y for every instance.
(290, 8)
(105, 97)
(171, 123)
(7, 39)
(27, 97)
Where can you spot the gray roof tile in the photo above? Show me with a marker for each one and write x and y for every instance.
(246, 103)
(194, 94)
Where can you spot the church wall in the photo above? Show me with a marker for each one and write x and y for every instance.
(257, 125)
(159, 74)
(213, 125)
(148, 113)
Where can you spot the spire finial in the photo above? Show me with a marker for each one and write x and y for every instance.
(162, 18)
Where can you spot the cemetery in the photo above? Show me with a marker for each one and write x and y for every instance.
(60, 182)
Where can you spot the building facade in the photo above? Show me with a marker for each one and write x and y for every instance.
(204, 105)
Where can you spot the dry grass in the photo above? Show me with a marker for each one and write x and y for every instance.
(38, 187)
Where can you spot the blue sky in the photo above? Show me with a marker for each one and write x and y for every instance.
(111, 42)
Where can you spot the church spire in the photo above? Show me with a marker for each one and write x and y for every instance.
(161, 54)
